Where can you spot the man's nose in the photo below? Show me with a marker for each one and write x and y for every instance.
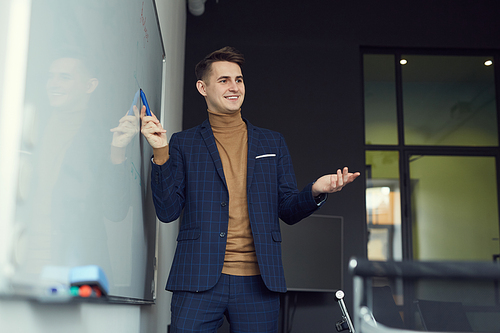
(233, 86)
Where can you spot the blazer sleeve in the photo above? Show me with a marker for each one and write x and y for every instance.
(168, 184)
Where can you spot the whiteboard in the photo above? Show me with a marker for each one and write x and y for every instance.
(82, 169)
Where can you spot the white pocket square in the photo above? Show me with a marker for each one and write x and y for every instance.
(265, 155)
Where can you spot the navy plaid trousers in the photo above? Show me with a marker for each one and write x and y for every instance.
(245, 301)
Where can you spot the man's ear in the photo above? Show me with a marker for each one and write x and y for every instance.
(201, 86)
(91, 85)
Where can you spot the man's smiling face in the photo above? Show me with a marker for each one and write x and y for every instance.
(223, 89)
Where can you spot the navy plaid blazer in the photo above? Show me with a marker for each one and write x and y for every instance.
(192, 182)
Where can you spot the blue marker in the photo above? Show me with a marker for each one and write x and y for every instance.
(136, 97)
(145, 102)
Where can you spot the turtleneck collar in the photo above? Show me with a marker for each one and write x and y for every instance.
(225, 120)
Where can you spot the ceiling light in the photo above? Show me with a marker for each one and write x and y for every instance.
(488, 63)
(403, 61)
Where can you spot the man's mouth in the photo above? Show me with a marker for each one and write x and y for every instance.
(232, 98)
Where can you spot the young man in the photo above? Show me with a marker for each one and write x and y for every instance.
(233, 182)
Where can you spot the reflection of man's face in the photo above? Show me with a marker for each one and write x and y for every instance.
(69, 85)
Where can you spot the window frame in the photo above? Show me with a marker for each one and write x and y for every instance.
(405, 151)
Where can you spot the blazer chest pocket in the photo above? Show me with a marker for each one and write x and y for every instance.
(266, 164)
(188, 234)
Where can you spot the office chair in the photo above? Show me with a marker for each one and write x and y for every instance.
(442, 316)
(385, 310)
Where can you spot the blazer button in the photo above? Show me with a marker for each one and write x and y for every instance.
(223, 204)
(222, 234)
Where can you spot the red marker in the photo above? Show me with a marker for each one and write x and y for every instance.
(85, 291)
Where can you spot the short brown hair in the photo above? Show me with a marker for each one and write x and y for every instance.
(227, 53)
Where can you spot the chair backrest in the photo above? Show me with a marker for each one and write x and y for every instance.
(385, 310)
(442, 316)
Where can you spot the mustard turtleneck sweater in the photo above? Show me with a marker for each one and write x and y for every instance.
(231, 137)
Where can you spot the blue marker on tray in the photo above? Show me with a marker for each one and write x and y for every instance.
(145, 102)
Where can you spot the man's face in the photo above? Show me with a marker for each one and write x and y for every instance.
(68, 86)
(224, 90)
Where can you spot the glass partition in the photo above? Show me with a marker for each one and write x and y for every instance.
(380, 99)
(449, 100)
(454, 207)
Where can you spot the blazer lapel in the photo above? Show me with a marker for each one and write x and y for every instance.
(208, 137)
(253, 139)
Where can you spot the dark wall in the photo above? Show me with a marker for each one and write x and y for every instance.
(303, 78)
